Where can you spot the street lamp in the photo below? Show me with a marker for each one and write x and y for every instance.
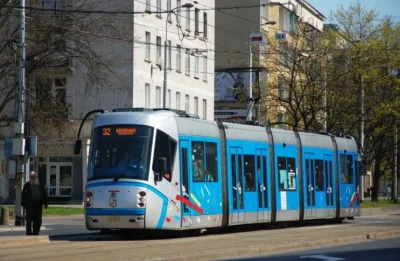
(253, 39)
(187, 5)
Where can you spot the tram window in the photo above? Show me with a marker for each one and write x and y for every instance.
(165, 148)
(234, 182)
(185, 182)
(291, 168)
(319, 175)
(211, 170)
(287, 173)
(343, 169)
(282, 174)
(265, 181)
(249, 173)
(350, 168)
(198, 161)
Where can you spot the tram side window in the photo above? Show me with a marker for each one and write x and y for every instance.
(204, 161)
(165, 148)
(249, 173)
(287, 173)
(291, 173)
(319, 175)
(282, 174)
(198, 161)
(350, 168)
(346, 168)
(211, 162)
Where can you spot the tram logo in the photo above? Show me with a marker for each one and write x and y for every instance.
(113, 201)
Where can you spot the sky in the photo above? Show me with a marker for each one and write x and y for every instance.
(383, 7)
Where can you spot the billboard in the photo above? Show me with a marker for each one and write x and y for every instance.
(227, 84)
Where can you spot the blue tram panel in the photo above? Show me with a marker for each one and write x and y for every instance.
(158, 169)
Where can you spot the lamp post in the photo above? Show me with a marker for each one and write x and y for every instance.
(187, 5)
(254, 39)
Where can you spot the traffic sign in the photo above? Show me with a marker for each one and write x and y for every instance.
(256, 38)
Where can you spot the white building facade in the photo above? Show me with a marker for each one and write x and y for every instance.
(190, 59)
(132, 46)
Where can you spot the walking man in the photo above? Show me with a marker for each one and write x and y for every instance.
(33, 198)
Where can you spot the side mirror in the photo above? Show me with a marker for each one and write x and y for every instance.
(77, 147)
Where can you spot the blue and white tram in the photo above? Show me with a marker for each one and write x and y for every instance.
(182, 173)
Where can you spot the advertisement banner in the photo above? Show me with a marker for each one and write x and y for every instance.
(227, 84)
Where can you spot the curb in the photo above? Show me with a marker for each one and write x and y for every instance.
(23, 240)
(17, 228)
(259, 249)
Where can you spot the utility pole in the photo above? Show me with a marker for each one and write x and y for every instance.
(395, 161)
(19, 130)
(250, 113)
(361, 175)
(324, 102)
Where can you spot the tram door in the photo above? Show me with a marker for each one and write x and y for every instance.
(237, 185)
(262, 185)
(310, 210)
(329, 185)
(185, 189)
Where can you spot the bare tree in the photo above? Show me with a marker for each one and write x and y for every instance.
(63, 37)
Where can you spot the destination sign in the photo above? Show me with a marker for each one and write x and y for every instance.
(128, 131)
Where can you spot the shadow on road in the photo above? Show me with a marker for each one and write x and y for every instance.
(132, 235)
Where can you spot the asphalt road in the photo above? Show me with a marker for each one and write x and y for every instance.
(375, 250)
(208, 247)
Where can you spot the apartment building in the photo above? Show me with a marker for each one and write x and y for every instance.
(114, 59)
(273, 19)
(232, 36)
(298, 25)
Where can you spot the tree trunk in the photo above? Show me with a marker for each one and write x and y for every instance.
(376, 179)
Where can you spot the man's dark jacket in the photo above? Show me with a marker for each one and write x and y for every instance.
(26, 198)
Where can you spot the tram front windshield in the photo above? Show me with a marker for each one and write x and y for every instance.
(120, 151)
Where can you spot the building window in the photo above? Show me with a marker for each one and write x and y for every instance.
(196, 66)
(158, 8)
(147, 95)
(187, 64)
(169, 98)
(52, 96)
(205, 25)
(187, 18)
(178, 58)
(284, 19)
(196, 21)
(187, 103)
(204, 109)
(205, 68)
(178, 100)
(158, 97)
(158, 50)
(148, 46)
(196, 105)
(169, 54)
(169, 10)
(148, 5)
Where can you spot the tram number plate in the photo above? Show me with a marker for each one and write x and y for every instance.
(113, 218)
